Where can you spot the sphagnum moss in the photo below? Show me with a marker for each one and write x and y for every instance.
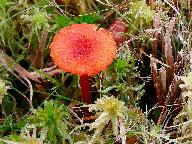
(112, 110)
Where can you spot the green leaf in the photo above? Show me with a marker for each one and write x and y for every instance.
(62, 21)
(90, 19)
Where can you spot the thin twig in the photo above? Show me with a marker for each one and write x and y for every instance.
(31, 106)
(30, 89)
(75, 115)
(172, 6)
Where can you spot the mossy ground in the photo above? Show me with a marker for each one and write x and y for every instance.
(144, 96)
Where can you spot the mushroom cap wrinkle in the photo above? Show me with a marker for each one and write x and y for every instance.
(83, 49)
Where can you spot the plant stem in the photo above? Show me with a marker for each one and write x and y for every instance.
(85, 89)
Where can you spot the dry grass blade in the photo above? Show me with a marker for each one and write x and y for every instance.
(173, 96)
(158, 40)
(157, 84)
(157, 43)
(168, 52)
(163, 77)
(179, 64)
(38, 59)
(173, 103)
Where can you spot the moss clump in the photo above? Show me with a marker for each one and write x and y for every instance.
(3, 90)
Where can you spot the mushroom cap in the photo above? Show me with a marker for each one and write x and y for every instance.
(83, 49)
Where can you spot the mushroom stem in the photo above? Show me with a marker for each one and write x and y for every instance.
(85, 89)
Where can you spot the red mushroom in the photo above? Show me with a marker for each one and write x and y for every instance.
(85, 50)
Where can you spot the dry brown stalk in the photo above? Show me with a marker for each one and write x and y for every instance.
(38, 59)
(11, 65)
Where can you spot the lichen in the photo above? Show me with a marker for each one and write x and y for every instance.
(187, 86)
(3, 90)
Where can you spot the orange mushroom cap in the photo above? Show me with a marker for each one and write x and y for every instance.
(82, 49)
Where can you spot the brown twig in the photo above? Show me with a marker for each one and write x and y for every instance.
(7, 61)
(38, 59)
